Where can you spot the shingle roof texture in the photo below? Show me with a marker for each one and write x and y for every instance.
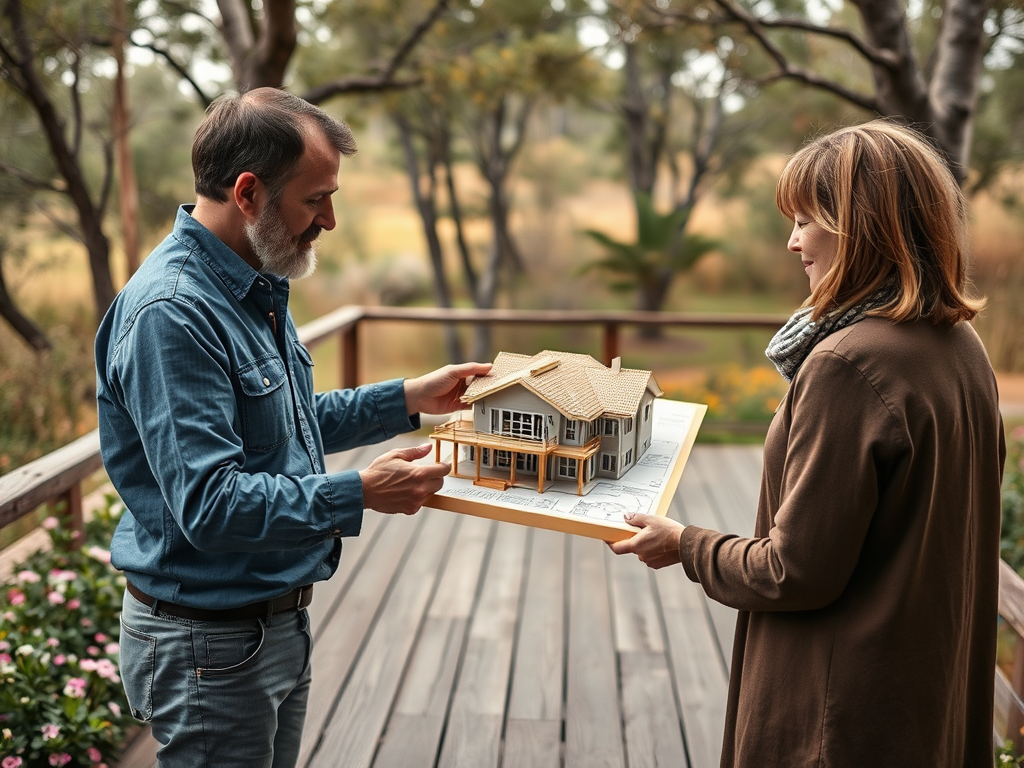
(579, 386)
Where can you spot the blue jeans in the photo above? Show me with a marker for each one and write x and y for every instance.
(218, 693)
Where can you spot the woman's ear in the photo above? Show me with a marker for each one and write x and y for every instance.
(248, 193)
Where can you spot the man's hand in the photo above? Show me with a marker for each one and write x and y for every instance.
(394, 485)
(439, 391)
(657, 542)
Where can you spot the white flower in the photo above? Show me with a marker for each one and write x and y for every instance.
(24, 650)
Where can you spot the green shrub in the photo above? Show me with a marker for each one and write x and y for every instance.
(61, 698)
(1012, 544)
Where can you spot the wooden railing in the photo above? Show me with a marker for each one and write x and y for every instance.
(58, 477)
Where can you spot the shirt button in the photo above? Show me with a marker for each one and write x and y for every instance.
(266, 382)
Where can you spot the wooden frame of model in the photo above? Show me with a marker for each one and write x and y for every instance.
(553, 416)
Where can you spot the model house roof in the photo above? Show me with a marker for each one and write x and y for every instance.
(577, 385)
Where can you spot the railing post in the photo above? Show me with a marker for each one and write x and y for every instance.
(610, 345)
(72, 513)
(1015, 718)
(350, 357)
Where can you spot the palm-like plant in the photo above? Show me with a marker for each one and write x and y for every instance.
(661, 251)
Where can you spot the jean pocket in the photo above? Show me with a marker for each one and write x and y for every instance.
(138, 665)
(232, 651)
(266, 404)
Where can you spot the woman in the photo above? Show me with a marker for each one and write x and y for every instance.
(867, 596)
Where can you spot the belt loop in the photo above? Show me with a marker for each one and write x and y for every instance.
(269, 621)
(154, 608)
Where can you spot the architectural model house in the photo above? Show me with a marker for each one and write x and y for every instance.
(556, 416)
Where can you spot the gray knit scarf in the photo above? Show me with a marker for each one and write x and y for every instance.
(793, 343)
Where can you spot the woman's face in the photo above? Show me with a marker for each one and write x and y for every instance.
(815, 244)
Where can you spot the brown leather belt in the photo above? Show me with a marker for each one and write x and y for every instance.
(298, 598)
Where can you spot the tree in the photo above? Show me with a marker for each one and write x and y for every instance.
(929, 79)
(44, 49)
(659, 250)
(675, 80)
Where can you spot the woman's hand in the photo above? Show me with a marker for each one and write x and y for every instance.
(656, 543)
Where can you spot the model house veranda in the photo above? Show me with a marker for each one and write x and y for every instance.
(555, 416)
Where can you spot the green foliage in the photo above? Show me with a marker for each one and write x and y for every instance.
(46, 399)
(1012, 544)
(61, 696)
(658, 253)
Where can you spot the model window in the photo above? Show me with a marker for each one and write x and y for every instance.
(608, 462)
(611, 427)
(517, 424)
(647, 412)
(627, 426)
(629, 458)
(570, 429)
(503, 459)
(566, 467)
(527, 462)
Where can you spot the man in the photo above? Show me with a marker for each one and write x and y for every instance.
(215, 440)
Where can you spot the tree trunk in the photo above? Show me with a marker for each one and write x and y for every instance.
(128, 192)
(426, 205)
(90, 215)
(22, 325)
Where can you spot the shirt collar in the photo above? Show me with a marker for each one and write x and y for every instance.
(237, 275)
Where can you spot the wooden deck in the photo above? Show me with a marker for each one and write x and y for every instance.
(448, 640)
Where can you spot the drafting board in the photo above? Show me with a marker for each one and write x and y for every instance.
(647, 487)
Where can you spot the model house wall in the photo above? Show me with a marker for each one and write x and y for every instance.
(557, 400)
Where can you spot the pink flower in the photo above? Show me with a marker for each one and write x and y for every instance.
(101, 638)
(55, 598)
(60, 660)
(29, 577)
(75, 688)
(97, 553)
(111, 649)
(94, 754)
(86, 623)
(62, 758)
(11, 762)
(52, 642)
(73, 604)
(105, 668)
(50, 731)
(92, 650)
(15, 596)
(5, 658)
(4, 645)
(115, 709)
(89, 665)
(51, 523)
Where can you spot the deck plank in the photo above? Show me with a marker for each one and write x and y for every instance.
(593, 719)
(473, 737)
(446, 640)
(353, 731)
(413, 735)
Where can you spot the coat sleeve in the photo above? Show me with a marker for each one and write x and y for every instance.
(842, 443)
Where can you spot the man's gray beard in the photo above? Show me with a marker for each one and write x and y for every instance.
(268, 237)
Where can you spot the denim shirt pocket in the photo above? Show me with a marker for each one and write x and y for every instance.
(266, 404)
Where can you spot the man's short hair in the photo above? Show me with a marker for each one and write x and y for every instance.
(260, 131)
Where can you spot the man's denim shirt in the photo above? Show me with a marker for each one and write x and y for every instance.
(213, 436)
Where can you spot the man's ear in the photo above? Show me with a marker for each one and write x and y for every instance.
(249, 192)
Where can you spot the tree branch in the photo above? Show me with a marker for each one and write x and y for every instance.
(179, 68)
(414, 38)
(33, 181)
(787, 69)
(385, 81)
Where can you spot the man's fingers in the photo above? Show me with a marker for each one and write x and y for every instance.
(413, 453)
